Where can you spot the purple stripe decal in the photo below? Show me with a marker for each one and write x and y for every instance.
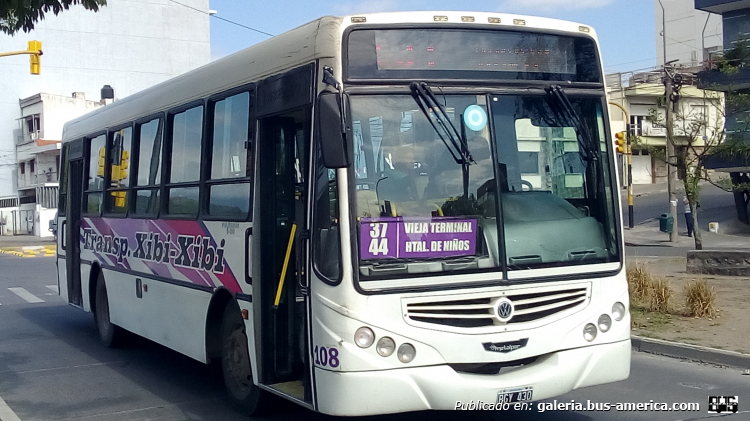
(160, 246)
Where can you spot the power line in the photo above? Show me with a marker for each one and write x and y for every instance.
(220, 18)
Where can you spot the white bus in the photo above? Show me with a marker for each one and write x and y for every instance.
(366, 214)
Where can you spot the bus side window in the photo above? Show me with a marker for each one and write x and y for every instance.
(326, 241)
(184, 162)
(230, 177)
(95, 183)
(119, 162)
(147, 171)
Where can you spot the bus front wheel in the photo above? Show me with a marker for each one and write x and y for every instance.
(111, 335)
(235, 365)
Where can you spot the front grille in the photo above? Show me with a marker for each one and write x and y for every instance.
(529, 304)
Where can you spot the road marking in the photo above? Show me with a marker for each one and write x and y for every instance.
(53, 288)
(7, 414)
(26, 295)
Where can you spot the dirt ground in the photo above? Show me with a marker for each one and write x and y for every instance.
(730, 330)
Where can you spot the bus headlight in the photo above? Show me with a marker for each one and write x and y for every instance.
(386, 346)
(406, 353)
(589, 332)
(364, 337)
(618, 311)
(604, 322)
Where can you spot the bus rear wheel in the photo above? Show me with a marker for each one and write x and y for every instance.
(111, 335)
(235, 365)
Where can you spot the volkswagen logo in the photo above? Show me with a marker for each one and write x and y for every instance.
(504, 310)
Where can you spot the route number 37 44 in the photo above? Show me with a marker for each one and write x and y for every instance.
(379, 241)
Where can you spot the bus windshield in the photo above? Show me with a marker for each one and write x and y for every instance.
(421, 208)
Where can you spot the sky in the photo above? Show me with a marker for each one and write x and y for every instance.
(626, 28)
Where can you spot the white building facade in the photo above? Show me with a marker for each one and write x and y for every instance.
(129, 45)
(691, 35)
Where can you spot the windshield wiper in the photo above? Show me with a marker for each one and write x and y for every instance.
(438, 116)
(568, 116)
(564, 110)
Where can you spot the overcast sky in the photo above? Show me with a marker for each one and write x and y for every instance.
(625, 27)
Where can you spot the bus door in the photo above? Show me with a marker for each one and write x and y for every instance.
(74, 198)
(284, 144)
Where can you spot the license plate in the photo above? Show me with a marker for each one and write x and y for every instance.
(522, 394)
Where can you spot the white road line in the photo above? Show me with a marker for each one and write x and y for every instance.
(26, 295)
(53, 288)
(7, 414)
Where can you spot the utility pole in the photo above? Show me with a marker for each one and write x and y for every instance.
(668, 87)
(669, 147)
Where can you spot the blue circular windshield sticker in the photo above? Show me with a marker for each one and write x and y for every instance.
(475, 118)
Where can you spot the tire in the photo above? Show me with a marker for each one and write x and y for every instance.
(111, 335)
(235, 365)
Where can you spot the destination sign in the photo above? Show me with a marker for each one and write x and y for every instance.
(404, 237)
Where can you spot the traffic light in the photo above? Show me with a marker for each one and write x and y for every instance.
(621, 142)
(124, 165)
(119, 198)
(100, 169)
(119, 172)
(35, 48)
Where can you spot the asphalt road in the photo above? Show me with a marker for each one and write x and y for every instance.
(52, 367)
(716, 205)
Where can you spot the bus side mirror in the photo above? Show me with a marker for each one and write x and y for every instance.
(53, 226)
(334, 130)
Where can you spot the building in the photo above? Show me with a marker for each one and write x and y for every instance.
(691, 35)
(698, 116)
(128, 45)
(736, 22)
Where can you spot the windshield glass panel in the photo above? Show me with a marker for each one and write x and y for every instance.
(416, 203)
(556, 200)
(426, 201)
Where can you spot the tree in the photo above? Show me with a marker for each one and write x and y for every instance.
(17, 15)
(698, 135)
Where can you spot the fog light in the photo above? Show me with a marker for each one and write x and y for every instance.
(604, 322)
(589, 332)
(618, 311)
(364, 337)
(406, 353)
(386, 346)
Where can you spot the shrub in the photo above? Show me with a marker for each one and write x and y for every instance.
(639, 280)
(660, 296)
(700, 299)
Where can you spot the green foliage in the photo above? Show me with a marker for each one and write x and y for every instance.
(22, 15)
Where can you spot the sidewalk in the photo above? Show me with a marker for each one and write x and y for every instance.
(648, 234)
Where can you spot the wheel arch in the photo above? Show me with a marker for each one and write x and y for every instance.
(220, 299)
(93, 279)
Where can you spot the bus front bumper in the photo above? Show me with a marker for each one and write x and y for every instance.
(442, 388)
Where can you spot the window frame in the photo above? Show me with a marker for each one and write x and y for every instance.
(208, 142)
(166, 168)
(108, 173)
(62, 178)
(134, 188)
(87, 165)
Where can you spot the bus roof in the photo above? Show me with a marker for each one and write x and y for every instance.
(314, 40)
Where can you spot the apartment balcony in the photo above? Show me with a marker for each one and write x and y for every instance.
(29, 137)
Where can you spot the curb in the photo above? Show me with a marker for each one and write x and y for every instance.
(30, 251)
(690, 352)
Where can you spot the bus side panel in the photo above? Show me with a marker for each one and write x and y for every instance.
(85, 281)
(171, 315)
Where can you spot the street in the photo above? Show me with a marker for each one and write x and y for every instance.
(52, 367)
